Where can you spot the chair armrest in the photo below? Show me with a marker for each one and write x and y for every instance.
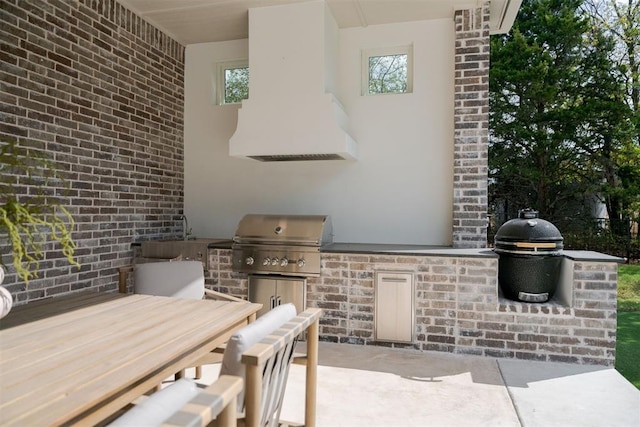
(258, 354)
(209, 294)
(217, 401)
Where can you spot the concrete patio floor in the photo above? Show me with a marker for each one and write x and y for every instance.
(376, 386)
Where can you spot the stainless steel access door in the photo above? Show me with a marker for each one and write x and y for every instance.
(394, 313)
(271, 291)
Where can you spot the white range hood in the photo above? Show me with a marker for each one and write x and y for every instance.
(292, 112)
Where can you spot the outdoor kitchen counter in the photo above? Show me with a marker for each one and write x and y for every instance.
(426, 250)
(423, 250)
(215, 243)
(399, 249)
(221, 244)
(388, 249)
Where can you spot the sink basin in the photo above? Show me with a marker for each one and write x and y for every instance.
(194, 249)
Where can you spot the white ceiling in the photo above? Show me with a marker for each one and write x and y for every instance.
(200, 21)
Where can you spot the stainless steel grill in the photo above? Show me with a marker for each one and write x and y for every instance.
(281, 244)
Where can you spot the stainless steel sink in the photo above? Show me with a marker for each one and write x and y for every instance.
(169, 250)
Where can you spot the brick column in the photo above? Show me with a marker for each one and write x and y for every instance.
(471, 118)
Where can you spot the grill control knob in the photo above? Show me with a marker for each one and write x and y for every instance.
(300, 262)
(284, 262)
(249, 260)
(275, 261)
(266, 261)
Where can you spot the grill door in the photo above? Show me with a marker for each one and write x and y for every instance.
(272, 291)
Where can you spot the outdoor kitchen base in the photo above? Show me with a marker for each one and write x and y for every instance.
(459, 308)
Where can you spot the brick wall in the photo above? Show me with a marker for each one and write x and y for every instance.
(471, 124)
(459, 308)
(101, 92)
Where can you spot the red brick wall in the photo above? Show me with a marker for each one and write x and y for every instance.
(101, 92)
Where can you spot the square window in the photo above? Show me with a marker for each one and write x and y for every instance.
(232, 82)
(387, 70)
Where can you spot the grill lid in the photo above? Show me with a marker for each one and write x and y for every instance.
(528, 233)
(311, 230)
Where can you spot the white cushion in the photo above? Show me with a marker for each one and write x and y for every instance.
(180, 279)
(249, 335)
(154, 410)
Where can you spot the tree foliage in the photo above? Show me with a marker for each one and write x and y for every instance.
(29, 221)
(236, 84)
(560, 125)
(388, 74)
(620, 21)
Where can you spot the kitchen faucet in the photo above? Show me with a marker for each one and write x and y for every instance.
(186, 231)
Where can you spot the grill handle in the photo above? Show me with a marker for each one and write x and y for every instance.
(269, 241)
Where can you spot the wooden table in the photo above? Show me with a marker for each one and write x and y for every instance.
(102, 352)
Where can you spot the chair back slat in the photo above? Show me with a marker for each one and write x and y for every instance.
(276, 372)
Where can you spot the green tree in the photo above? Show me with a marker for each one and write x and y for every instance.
(236, 84)
(621, 22)
(551, 90)
(388, 74)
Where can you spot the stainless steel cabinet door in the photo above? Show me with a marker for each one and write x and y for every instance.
(274, 291)
(291, 291)
(262, 290)
(394, 306)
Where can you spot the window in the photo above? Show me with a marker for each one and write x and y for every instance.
(387, 70)
(232, 82)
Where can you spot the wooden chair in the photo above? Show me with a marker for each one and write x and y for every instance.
(262, 353)
(125, 271)
(184, 404)
(167, 290)
(179, 279)
(265, 365)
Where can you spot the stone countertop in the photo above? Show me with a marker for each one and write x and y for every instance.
(412, 250)
(221, 244)
(387, 249)
(421, 250)
(591, 256)
(213, 243)
(426, 250)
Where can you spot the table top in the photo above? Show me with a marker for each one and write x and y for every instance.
(102, 351)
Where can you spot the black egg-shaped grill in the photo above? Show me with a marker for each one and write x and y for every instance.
(530, 252)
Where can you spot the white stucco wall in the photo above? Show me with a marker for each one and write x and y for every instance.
(398, 191)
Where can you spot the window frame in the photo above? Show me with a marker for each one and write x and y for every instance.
(386, 51)
(220, 83)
